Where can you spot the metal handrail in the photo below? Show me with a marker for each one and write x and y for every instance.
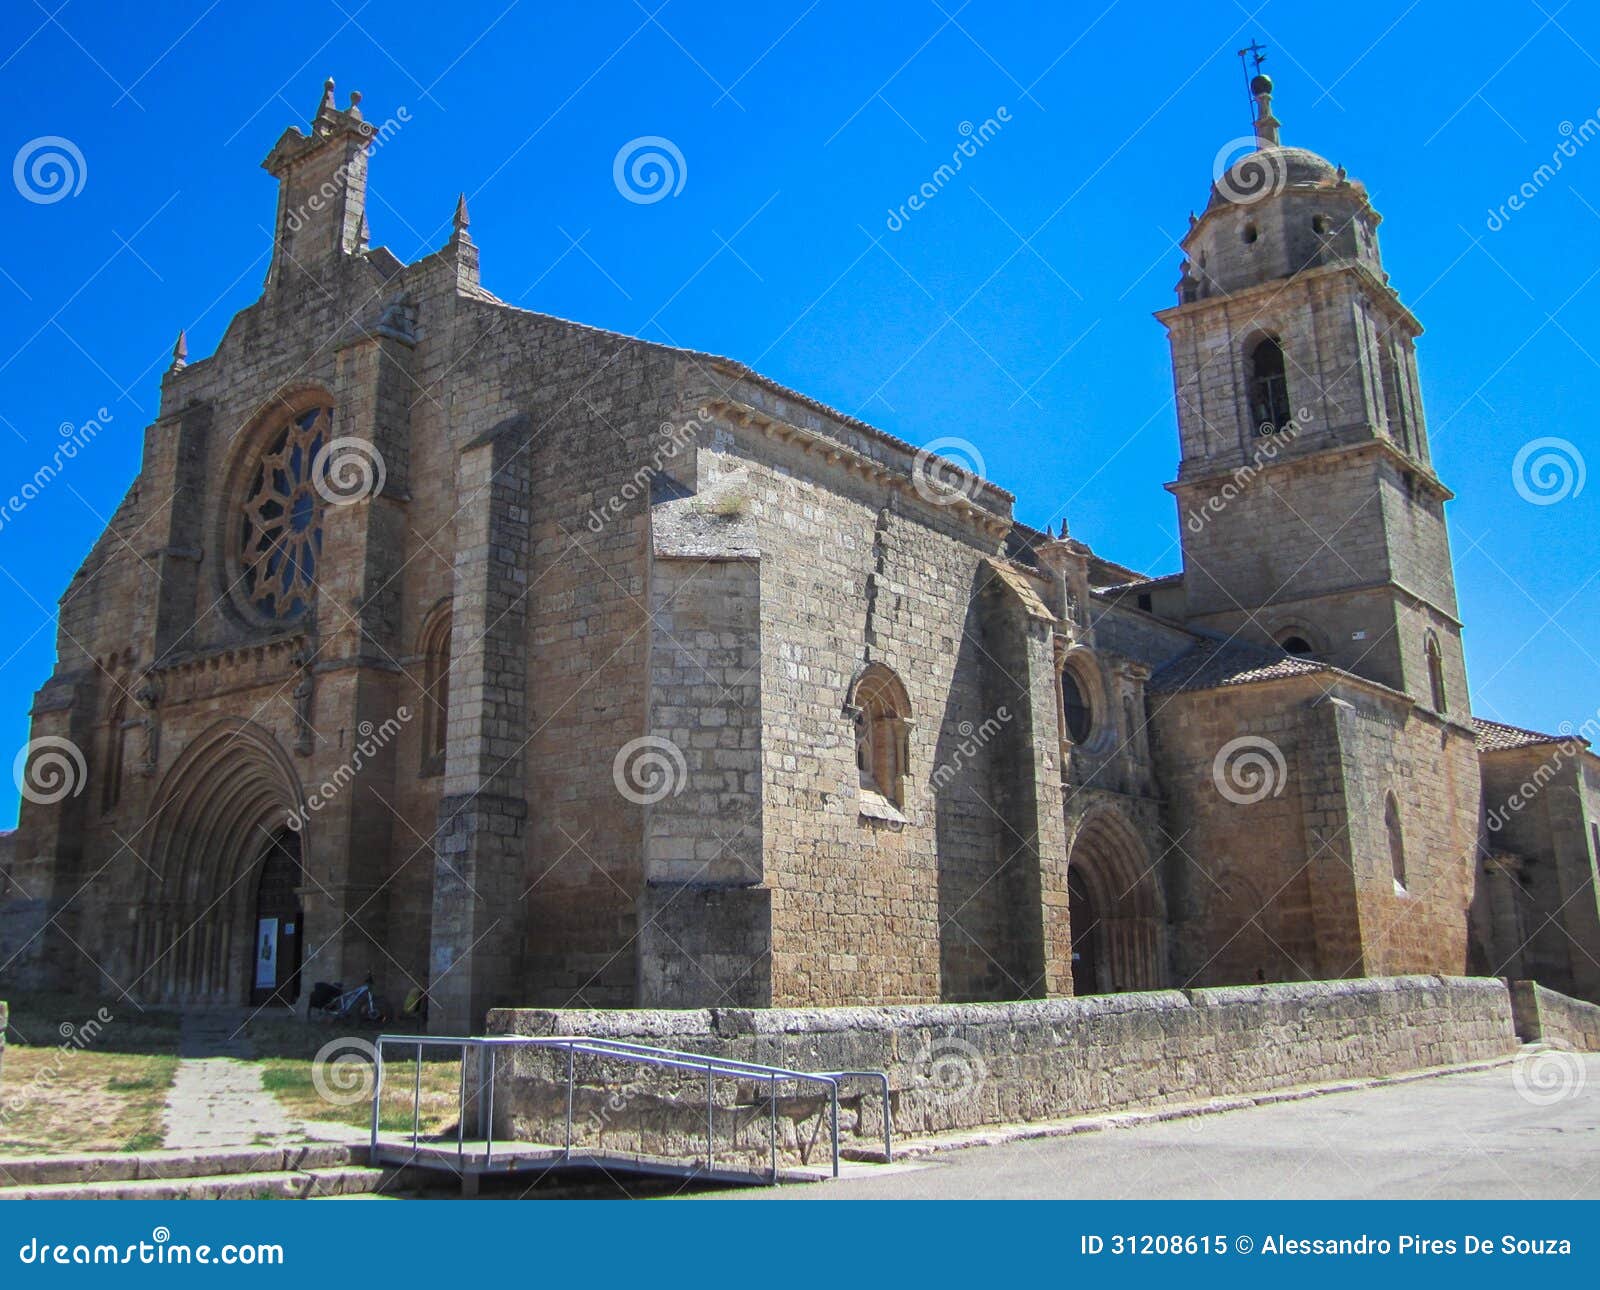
(622, 1050)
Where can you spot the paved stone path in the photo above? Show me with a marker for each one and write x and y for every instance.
(216, 1099)
(1487, 1134)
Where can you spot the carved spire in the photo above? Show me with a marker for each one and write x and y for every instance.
(180, 352)
(461, 249)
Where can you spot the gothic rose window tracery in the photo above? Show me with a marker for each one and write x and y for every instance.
(283, 509)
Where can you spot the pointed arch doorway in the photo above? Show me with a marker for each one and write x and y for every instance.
(1115, 908)
(223, 859)
(275, 974)
(1085, 921)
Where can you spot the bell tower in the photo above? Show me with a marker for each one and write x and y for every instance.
(1310, 514)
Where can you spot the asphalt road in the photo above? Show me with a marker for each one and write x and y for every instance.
(1514, 1132)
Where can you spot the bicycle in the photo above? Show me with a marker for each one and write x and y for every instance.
(360, 1004)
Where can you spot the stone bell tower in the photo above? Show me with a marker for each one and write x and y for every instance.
(1310, 513)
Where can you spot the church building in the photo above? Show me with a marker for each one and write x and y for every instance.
(531, 664)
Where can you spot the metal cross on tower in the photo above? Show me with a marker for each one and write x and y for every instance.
(1258, 52)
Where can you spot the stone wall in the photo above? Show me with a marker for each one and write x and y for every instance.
(1543, 1016)
(1539, 917)
(1298, 879)
(5, 1020)
(956, 1066)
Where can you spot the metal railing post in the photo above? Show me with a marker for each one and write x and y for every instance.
(711, 1123)
(835, 1128)
(888, 1130)
(416, 1101)
(571, 1064)
(488, 1141)
(377, 1094)
(461, 1116)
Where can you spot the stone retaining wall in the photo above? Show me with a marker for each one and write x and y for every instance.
(1544, 1016)
(954, 1066)
(5, 1020)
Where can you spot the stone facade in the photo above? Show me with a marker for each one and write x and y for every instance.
(533, 665)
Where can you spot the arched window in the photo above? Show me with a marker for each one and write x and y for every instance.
(882, 712)
(1397, 844)
(1076, 710)
(435, 689)
(1296, 644)
(1396, 396)
(1436, 673)
(1269, 389)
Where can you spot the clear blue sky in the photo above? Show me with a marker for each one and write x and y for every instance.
(1014, 311)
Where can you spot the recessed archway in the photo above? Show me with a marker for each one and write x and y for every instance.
(219, 815)
(1115, 909)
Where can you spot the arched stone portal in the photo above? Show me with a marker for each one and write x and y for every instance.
(1117, 914)
(220, 820)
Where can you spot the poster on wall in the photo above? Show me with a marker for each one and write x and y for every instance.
(266, 953)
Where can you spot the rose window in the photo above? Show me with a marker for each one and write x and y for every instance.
(283, 519)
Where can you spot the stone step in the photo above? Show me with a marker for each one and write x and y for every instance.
(298, 1184)
(199, 1162)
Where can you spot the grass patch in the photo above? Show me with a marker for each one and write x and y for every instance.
(84, 1074)
(345, 1095)
(57, 1100)
(108, 1025)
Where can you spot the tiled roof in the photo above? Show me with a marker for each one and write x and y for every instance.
(1141, 584)
(1495, 736)
(1210, 664)
(1022, 589)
